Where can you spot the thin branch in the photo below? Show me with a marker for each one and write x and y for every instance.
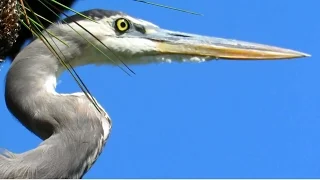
(25, 12)
(168, 7)
(73, 10)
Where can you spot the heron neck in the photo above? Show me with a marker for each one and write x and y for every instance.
(30, 92)
(74, 132)
(62, 156)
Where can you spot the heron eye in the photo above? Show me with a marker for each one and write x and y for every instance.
(122, 25)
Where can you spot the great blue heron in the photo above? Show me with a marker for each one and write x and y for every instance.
(72, 129)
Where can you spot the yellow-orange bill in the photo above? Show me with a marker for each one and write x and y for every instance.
(170, 42)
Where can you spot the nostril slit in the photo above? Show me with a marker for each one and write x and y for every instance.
(179, 35)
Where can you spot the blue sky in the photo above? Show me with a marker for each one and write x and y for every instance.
(220, 119)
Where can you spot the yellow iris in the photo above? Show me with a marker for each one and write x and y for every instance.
(122, 25)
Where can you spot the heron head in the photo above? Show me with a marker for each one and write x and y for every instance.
(140, 41)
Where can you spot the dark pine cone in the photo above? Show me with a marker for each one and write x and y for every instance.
(9, 25)
(9, 29)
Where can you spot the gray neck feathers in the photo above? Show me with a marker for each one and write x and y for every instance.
(71, 127)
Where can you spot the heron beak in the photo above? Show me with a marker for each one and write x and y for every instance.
(177, 43)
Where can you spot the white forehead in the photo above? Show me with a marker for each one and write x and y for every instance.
(101, 28)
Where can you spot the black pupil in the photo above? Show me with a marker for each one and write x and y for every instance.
(123, 24)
